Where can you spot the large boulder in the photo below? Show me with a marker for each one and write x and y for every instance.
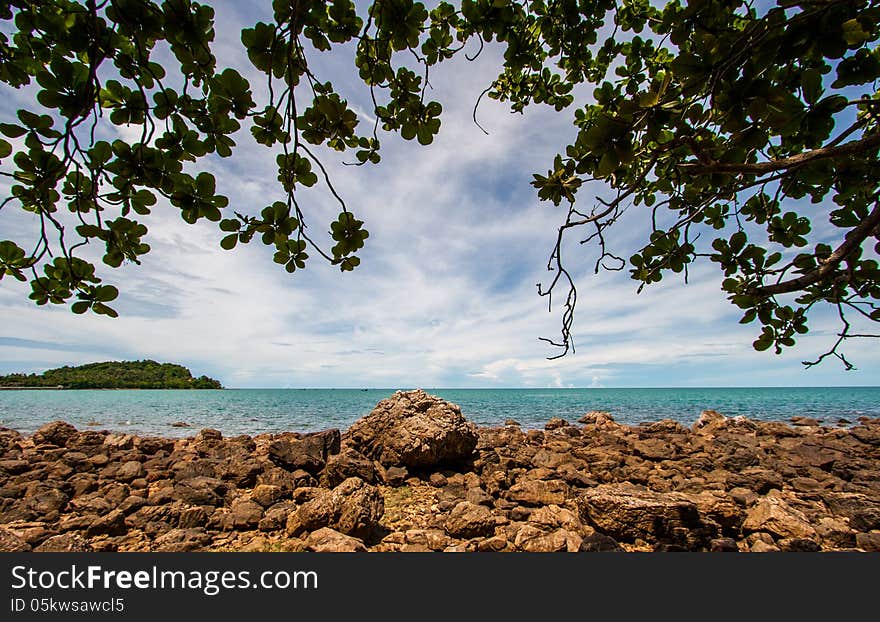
(415, 430)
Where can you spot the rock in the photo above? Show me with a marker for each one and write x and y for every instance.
(200, 491)
(64, 543)
(11, 543)
(55, 433)
(353, 508)
(395, 476)
(119, 441)
(555, 423)
(347, 463)
(868, 541)
(331, 541)
(288, 481)
(708, 421)
(266, 494)
(192, 517)
(723, 545)
(129, 471)
(308, 453)
(182, 540)
(764, 547)
(415, 430)
(598, 418)
(628, 513)
(512, 422)
(240, 471)
(799, 545)
(534, 540)
(180, 424)
(14, 467)
(600, 543)
(112, 524)
(773, 515)
(44, 501)
(539, 492)
(468, 520)
(437, 480)
(244, 514)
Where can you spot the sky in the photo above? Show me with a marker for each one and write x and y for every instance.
(446, 292)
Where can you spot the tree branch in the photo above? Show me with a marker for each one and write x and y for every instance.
(853, 240)
(761, 168)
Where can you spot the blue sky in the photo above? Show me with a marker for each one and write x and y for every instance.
(445, 295)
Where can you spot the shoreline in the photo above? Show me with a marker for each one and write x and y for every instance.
(414, 475)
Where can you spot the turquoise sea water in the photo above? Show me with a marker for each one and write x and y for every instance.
(251, 411)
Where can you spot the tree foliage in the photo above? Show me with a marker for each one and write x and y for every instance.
(114, 375)
(746, 132)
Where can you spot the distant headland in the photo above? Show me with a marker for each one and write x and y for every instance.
(145, 374)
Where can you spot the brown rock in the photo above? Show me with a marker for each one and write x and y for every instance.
(55, 433)
(347, 463)
(555, 423)
(468, 520)
(182, 540)
(415, 430)
(200, 491)
(64, 543)
(353, 508)
(245, 514)
(130, 470)
(869, 541)
(112, 524)
(331, 541)
(600, 543)
(308, 453)
(539, 492)
(773, 515)
(395, 476)
(266, 494)
(627, 513)
(11, 543)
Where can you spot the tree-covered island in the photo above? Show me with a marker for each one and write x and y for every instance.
(113, 375)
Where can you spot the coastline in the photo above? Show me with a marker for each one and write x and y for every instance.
(414, 475)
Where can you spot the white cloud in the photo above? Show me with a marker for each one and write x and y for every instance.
(445, 295)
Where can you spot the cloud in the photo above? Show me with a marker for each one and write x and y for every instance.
(445, 295)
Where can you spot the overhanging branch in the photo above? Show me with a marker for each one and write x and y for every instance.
(853, 240)
(762, 168)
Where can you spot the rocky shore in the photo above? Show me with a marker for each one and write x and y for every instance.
(415, 475)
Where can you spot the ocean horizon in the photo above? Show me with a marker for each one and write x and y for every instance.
(236, 411)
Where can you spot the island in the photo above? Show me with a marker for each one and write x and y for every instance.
(144, 374)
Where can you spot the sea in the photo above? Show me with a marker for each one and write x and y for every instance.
(254, 411)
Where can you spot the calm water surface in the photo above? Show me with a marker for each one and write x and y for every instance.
(251, 411)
